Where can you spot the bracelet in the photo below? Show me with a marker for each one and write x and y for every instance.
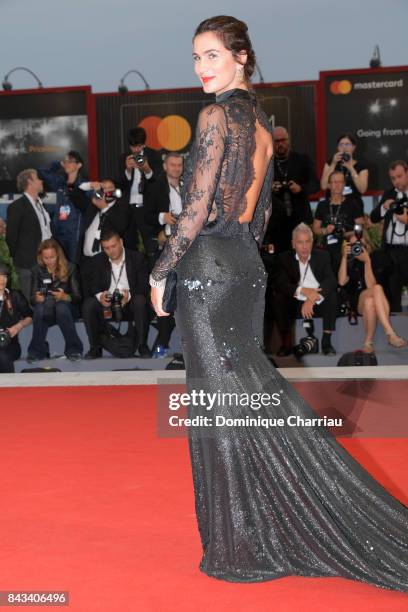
(158, 284)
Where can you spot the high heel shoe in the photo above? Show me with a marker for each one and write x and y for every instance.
(395, 340)
(369, 347)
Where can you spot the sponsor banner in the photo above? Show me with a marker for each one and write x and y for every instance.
(373, 106)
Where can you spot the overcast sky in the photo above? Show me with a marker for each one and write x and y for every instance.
(94, 42)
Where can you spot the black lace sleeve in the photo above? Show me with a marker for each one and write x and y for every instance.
(207, 157)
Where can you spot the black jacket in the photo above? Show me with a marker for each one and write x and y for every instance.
(299, 169)
(23, 233)
(375, 216)
(20, 310)
(116, 218)
(288, 272)
(97, 273)
(155, 163)
(70, 286)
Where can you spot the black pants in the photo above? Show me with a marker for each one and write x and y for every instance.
(397, 275)
(8, 356)
(134, 311)
(289, 308)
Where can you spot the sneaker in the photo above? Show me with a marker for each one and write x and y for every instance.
(160, 352)
(74, 357)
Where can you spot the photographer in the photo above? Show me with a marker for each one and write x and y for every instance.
(295, 180)
(118, 282)
(62, 177)
(305, 286)
(392, 259)
(139, 169)
(335, 218)
(54, 296)
(355, 172)
(366, 296)
(15, 314)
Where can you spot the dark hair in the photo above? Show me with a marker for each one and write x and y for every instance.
(398, 162)
(108, 178)
(335, 172)
(108, 234)
(76, 156)
(234, 36)
(136, 136)
(349, 136)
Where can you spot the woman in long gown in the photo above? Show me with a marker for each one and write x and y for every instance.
(278, 501)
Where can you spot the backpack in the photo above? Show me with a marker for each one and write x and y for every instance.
(117, 344)
(358, 358)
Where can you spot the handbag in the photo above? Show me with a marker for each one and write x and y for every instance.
(170, 293)
(117, 344)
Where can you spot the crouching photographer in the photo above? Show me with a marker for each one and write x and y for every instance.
(117, 290)
(55, 295)
(366, 296)
(15, 314)
(305, 287)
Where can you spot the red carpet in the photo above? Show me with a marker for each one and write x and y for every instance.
(94, 503)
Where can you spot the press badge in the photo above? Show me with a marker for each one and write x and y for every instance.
(64, 212)
(332, 239)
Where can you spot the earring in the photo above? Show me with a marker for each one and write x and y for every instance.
(240, 74)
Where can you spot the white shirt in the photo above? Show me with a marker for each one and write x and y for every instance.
(119, 280)
(400, 235)
(307, 279)
(135, 196)
(42, 216)
(94, 233)
(175, 206)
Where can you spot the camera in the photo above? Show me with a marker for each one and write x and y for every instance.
(49, 309)
(345, 157)
(357, 247)
(400, 204)
(309, 344)
(139, 158)
(338, 226)
(115, 309)
(108, 196)
(5, 338)
(286, 198)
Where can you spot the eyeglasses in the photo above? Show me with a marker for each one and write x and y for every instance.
(345, 144)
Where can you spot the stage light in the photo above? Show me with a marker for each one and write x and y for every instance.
(375, 61)
(122, 89)
(7, 86)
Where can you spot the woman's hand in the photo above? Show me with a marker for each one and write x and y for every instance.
(14, 330)
(156, 298)
(337, 158)
(350, 166)
(345, 250)
(39, 297)
(59, 295)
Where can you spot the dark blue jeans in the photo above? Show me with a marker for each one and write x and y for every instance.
(38, 347)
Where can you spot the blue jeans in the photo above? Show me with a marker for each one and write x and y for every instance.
(38, 347)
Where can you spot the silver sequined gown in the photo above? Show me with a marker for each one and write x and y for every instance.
(269, 502)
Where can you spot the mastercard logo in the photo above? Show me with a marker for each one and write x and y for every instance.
(172, 132)
(340, 87)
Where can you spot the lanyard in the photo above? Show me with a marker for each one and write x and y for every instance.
(304, 275)
(120, 274)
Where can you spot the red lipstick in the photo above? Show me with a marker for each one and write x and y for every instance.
(206, 79)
